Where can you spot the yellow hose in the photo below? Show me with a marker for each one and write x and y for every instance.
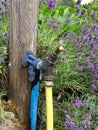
(49, 108)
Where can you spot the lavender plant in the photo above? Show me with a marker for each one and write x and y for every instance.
(80, 115)
(4, 7)
(86, 40)
(76, 72)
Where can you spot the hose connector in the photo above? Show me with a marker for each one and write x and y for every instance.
(38, 68)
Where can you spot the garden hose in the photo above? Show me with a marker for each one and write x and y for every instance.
(49, 107)
(34, 106)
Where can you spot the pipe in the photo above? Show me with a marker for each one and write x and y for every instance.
(34, 106)
(49, 106)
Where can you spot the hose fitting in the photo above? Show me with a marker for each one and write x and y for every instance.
(38, 68)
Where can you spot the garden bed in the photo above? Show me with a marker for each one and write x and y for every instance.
(75, 91)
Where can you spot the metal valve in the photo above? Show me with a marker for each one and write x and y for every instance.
(49, 62)
(38, 68)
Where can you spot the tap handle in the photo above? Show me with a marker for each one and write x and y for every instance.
(60, 47)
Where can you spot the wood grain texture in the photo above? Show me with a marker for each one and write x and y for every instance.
(23, 37)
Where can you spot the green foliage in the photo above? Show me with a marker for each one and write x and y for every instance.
(48, 37)
(64, 22)
(4, 22)
(2, 112)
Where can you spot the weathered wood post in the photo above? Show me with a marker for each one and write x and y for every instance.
(23, 36)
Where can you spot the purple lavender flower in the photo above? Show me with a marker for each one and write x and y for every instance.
(87, 31)
(78, 2)
(84, 30)
(70, 124)
(96, 27)
(77, 10)
(78, 103)
(93, 88)
(93, 81)
(92, 45)
(96, 32)
(96, 40)
(85, 124)
(96, 70)
(93, 56)
(88, 116)
(89, 38)
(2, 1)
(5, 35)
(84, 39)
(91, 66)
(79, 68)
(96, 82)
(1, 11)
(96, 75)
(87, 62)
(87, 54)
(55, 26)
(65, 112)
(1, 60)
(68, 21)
(83, 12)
(92, 14)
(6, 4)
(51, 4)
(81, 128)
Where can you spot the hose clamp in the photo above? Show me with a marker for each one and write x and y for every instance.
(49, 83)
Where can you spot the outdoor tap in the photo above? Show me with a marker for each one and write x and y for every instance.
(48, 63)
(38, 69)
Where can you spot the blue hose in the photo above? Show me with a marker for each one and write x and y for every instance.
(34, 106)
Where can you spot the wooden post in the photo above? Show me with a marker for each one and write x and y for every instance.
(23, 36)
